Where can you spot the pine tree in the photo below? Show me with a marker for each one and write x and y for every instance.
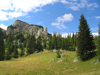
(59, 41)
(73, 39)
(9, 43)
(2, 48)
(7, 53)
(98, 44)
(63, 44)
(50, 43)
(54, 41)
(39, 44)
(15, 50)
(44, 43)
(85, 44)
(31, 46)
(22, 50)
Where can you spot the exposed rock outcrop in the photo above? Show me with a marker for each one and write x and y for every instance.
(20, 26)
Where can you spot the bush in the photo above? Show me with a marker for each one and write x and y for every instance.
(58, 54)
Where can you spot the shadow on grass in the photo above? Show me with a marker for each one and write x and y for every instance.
(91, 55)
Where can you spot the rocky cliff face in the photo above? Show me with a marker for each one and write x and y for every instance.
(20, 26)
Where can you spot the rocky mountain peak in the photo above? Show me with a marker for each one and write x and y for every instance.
(20, 26)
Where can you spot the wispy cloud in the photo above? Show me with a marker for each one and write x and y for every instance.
(59, 22)
(94, 29)
(97, 17)
(48, 13)
(41, 23)
(3, 26)
(74, 5)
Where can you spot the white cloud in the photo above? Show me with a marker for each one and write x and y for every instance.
(94, 29)
(3, 15)
(60, 20)
(74, 5)
(3, 26)
(74, 0)
(64, 2)
(10, 9)
(97, 17)
(95, 34)
(48, 13)
(66, 34)
(15, 14)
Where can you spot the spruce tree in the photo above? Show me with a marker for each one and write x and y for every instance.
(54, 41)
(7, 53)
(98, 44)
(63, 44)
(2, 48)
(22, 50)
(85, 44)
(39, 44)
(59, 41)
(15, 50)
(44, 44)
(31, 46)
(50, 43)
(9, 43)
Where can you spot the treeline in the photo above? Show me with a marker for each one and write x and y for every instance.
(58, 42)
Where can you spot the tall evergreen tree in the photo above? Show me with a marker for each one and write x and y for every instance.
(59, 41)
(2, 48)
(39, 44)
(22, 50)
(63, 44)
(54, 41)
(50, 43)
(98, 44)
(85, 43)
(15, 50)
(44, 43)
(31, 46)
(7, 53)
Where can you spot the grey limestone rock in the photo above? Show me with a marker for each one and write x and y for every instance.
(60, 61)
(75, 60)
(20, 26)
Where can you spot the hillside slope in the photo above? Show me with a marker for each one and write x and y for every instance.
(38, 64)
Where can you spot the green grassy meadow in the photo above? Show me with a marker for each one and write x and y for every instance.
(38, 64)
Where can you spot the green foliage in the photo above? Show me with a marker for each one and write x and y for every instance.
(31, 46)
(39, 44)
(63, 44)
(2, 48)
(58, 54)
(15, 50)
(85, 44)
(98, 44)
(13, 27)
(8, 54)
(22, 50)
(37, 25)
(44, 44)
(71, 48)
(54, 42)
(50, 43)
(21, 37)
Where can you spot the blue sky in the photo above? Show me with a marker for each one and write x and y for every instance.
(58, 15)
